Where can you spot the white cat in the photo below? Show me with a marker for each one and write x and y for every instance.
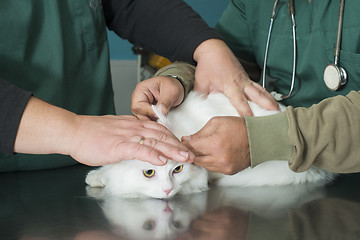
(134, 178)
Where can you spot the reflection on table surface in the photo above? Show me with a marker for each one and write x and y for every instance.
(55, 204)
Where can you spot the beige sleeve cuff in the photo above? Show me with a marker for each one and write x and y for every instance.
(268, 138)
(184, 72)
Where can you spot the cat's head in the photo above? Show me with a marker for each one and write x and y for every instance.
(134, 178)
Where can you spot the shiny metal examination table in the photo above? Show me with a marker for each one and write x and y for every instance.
(54, 204)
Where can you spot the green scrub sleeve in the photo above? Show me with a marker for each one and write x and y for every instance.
(184, 72)
(268, 138)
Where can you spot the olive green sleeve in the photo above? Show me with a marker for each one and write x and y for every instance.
(326, 135)
(184, 72)
(268, 138)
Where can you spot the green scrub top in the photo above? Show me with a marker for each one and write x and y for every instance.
(245, 24)
(58, 50)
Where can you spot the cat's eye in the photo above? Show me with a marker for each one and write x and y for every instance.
(149, 173)
(149, 225)
(178, 169)
(177, 224)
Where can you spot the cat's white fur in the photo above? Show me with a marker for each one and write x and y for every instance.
(126, 177)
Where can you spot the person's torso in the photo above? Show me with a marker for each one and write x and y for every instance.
(58, 50)
(316, 30)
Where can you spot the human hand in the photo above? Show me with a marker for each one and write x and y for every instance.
(221, 145)
(218, 70)
(222, 223)
(95, 140)
(163, 90)
(103, 140)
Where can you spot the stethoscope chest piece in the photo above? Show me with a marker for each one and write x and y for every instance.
(334, 77)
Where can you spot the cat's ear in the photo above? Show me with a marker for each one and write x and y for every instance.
(162, 119)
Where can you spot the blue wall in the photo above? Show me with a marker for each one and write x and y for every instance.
(210, 10)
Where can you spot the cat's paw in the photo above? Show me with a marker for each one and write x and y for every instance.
(95, 192)
(95, 179)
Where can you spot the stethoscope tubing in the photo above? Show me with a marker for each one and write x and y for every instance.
(339, 32)
(330, 71)
(266, 52)
(293, 23)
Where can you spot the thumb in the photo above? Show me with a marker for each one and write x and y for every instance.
(145, 113)
(191, 143)
(167, 100)
(171, 94)
(164, 107)
(197, 141)
(198, 136)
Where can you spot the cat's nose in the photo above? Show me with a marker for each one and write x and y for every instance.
(168, 191)
(168, 209)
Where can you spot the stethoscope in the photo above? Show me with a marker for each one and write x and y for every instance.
(334, 75)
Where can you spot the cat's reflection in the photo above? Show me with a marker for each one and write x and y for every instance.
(150, 218)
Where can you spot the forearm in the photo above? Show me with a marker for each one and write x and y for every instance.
(45, 129)
(169, 28)
(13, 101)
(325, 135)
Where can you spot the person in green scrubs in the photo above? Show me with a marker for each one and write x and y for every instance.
(56, 97)
(320, 127)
